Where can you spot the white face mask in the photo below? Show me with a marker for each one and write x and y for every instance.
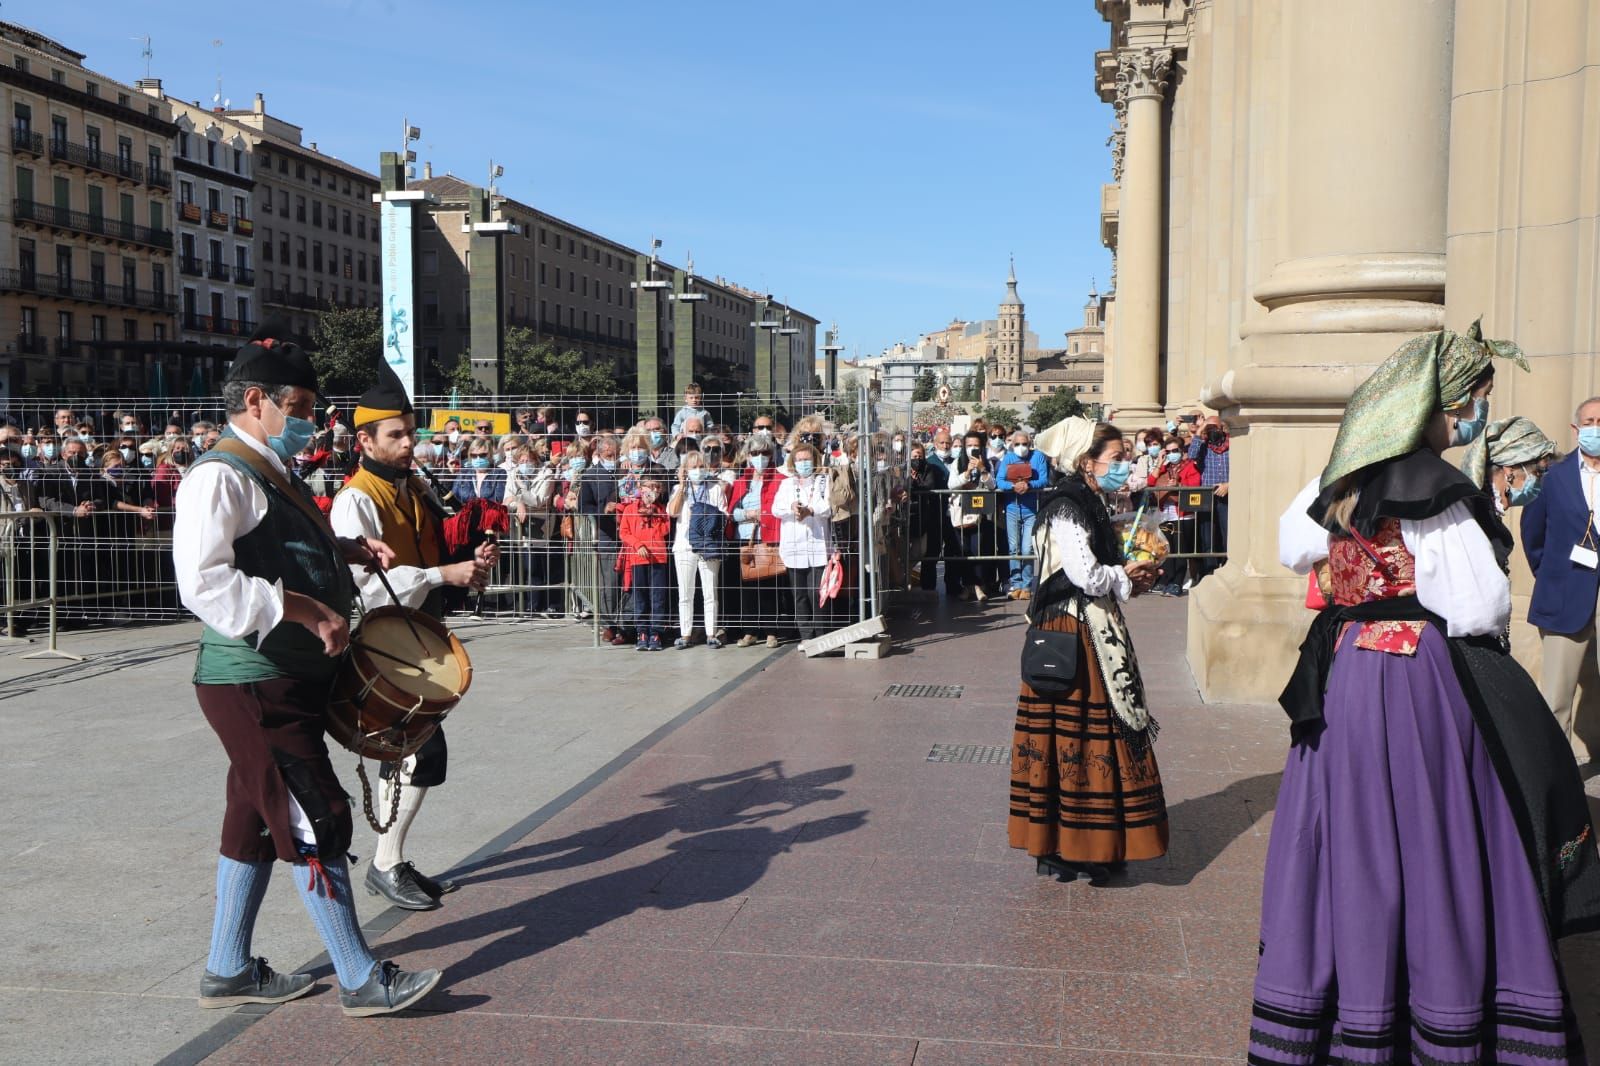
(454, 436)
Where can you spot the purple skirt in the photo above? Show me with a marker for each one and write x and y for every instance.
(1400, 920)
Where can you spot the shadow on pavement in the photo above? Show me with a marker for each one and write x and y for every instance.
(1204, 815)
(723, 814)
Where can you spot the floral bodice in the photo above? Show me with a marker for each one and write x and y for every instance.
(1363, 570)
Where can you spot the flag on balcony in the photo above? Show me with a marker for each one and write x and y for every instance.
(158, 380)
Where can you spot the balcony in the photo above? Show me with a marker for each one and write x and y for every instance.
(161, 179)
(32, 211)
(217, 219)
(191, 265)
(227, 327)
(88, 291)
(94, 159)
(189, 212)
(218, 271)
(244, 227)
(25, 140)
(244, 275)
(32, 344)
(64, 345)
(303, 300)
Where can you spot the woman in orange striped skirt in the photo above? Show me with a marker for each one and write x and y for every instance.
(1085, 790)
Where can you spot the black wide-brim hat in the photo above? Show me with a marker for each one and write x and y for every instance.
(271, 359)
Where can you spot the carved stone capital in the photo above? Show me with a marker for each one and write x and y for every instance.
(1142, 72)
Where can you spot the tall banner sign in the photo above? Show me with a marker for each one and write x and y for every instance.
(399, 341)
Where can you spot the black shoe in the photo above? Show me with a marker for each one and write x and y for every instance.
(256, 983)
(388, 989)
(399, 886)
(434, 888)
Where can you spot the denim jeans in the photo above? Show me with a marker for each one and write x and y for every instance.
(1019, 535)
(649, 597)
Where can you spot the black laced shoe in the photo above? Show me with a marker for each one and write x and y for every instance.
(256, 983)
(434, 887)
(389, 989)
(399, 886)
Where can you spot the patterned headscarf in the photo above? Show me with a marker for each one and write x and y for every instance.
(1388, 414)
(1508, 442)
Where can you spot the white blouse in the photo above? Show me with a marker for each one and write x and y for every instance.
(1458, 577)
(1071, 542)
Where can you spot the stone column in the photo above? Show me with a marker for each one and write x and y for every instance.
(1141, 93)
(1358, 208)
(647, 337)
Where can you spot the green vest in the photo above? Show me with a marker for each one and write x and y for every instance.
(286, 546)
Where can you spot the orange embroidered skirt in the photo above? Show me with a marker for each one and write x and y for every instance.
(1076, 790)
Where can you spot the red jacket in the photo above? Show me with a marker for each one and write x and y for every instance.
(639, 530)
(771, 524)
(1188, 475)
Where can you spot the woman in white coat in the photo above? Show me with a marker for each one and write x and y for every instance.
(803, 541)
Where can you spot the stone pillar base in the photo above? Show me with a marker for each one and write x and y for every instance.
(1245, 634)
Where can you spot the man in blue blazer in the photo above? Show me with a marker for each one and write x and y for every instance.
(1562, 542)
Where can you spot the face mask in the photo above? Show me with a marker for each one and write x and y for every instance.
(50, 449)
(180, 458)
(697, 474)
(29, 451)
(1171, 458)
(1468, 429)
(170, 437)
(713, 456)
(1155, 451)
(129, 427)
(479, 462)
(881, 466)
(608, 464)
(760, 462)
(1588, 441)
(293, 438)
(197, 440)
(1172, 427)
(804, 467)
(114, 472)
(657, 438)
(899, 446)
(919, 464)
(75, 461)
(527, 469)
(943, 453)
(1115, 477)
(763, 431)
(636, 455)
(1020, 450)
(147, 461)
(1525, 493)
(454, 436)
(584, 429)
(577, 466)
(126, 453)
(647, 496)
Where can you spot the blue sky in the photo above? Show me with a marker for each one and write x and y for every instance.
(872, 162)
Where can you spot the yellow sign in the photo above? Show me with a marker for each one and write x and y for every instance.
(499, 424)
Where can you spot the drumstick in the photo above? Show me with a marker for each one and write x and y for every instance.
(384, 580)
(379, 651)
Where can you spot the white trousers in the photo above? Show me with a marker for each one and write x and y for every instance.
(688, 563)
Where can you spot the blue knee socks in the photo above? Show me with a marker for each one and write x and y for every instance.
(324, 887)
(240, 888)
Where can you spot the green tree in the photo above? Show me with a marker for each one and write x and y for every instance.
(846, 410)
(972, 388)
(927, 385)
(995, 414)
(347, 348)
(459, 378)
(1048, 410)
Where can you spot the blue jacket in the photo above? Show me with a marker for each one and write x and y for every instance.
(465, 486)
(1563, 592)
(1026, 502)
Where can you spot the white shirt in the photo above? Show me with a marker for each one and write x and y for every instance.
(215, 506)
(713, 491)
(356, 515)
(1589, 485)
(803, 542)
(1071, 541)
(1458, 577)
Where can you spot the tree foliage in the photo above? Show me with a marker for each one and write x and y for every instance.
(347, 348)
(531, 367)
(996, 415)
(926, 387)
(972, 388)
(1048, 410)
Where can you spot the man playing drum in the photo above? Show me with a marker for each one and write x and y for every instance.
(261, 568)
(386, 501)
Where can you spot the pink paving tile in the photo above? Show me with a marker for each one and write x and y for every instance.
(962, 881)
(949, 1053)
(1221, 948)
(1149, 888)
(1048, 939)
(841, 928)
(317, 1021)
(1161, 1015)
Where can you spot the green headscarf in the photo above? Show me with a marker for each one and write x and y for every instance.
(1388, 414)
(1508, 442)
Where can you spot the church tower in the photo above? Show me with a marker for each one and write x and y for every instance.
(1010, 335)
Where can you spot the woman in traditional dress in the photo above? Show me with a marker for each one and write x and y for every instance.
(1431, 839)
(1508, 461)
(1085, 791)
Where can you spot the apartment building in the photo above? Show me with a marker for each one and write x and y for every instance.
(86, 292)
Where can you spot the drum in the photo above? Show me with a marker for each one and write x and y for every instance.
(403, 674)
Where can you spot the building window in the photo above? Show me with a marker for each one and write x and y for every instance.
(211, 152)
(183, 143)
(316, 212)
(22, 64)
(299, 208)
(130, 329)
(97, 327)
(266, 201)
(266, 246)
(58, 76)
(92, 88)
(347, 223)
(238, 161)
(361, 226)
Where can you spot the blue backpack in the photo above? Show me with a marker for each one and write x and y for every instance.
(708, 526)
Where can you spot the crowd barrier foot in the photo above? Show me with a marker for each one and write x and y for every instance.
(53, 653)
(877, 648)
(839, 638)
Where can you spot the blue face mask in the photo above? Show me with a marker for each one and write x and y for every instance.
(295, 435)
(636, 455)
(1468, 429)
(1115, 477)
(1154, 450)
(29, 451)
(577, 466)
(804, 467)
(697, 474)
(1588, 441)
(608, 464)
(759, 461)
(657, 438)
(527, 469)
(479, 462)
(147, 461)
(1525, 493)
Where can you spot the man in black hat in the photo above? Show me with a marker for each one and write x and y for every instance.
(261, 568)
(384, 500)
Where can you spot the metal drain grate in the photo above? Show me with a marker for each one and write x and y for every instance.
(980, 753)
(931, 692)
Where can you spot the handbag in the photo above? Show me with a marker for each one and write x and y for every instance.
(1049, 660)
(759, 560)
(832, 580)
